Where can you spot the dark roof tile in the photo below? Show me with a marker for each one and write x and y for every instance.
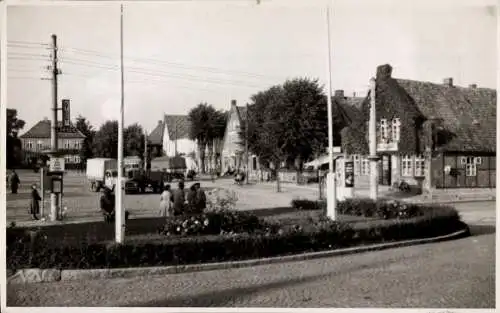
(42, 130)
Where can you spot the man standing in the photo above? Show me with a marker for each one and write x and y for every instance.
(14, 182)
(179, 199)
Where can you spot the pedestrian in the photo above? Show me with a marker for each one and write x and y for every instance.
(107, 204)
(200, 203)
(34, 205)
(166, 204)
(191, 196)
(14, 182)
(179, 199)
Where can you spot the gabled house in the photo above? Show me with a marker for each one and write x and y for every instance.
(36, 142)
(233, 147)
(428, 134)
(171, 138)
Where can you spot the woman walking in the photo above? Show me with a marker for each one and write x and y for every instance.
(34, 205)
(166, 204)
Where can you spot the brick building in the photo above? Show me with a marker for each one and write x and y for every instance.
(428, 134)
(36, 142)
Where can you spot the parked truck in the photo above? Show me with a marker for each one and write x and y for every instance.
(173, 167)
(101, 172)
(142, 181)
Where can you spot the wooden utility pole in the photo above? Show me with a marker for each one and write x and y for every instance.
(53, 129)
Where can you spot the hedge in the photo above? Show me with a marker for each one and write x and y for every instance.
(161, 250)
(370, 208)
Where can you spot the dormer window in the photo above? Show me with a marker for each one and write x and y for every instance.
(396, 129)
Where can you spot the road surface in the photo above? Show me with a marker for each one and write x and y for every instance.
(452, 274)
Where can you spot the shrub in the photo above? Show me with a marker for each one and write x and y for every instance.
(384, 209)
(213, 222)
(308, 205)
(160, 250)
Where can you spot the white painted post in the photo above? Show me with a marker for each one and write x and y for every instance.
(373, 143)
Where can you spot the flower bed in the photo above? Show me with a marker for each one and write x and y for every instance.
(239, 240)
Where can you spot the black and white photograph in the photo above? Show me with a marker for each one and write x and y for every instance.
(250, 154)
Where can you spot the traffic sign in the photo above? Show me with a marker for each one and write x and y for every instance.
(56, 165)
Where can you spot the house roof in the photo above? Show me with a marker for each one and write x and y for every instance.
(156, 136)
(178, 126)
(42, 130)
(467, 115)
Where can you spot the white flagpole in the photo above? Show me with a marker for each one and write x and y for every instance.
(331, 196)
(119, 209)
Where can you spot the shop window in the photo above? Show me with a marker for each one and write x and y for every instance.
(365, 167)
(470, 166)
(406, 166)
(419, 165)
(357, 164)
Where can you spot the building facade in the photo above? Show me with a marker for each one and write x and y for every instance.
(36, 142)
(428, 135)
(233, 155)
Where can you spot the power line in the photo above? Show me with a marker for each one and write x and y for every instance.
(21, 42)
(18, 46)
(26, 58)
(173, 64)
(28, 54)
(28, 77)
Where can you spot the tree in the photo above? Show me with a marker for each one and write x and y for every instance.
(84, 126)
(105, 143)
(207, 125)
(14, 146)
(289, 123)
(133, 139)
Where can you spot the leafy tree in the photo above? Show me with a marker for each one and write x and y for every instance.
(133, 139)
(105, 143)
(84, 126)
(14, 146)
(289, 122)
(207, 125)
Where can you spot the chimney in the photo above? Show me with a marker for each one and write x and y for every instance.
(384, 71)
(160, 122)
(339, 94)
(448, 82)
(473, 86)
(354, 94)
(233, 103)
(45, 119)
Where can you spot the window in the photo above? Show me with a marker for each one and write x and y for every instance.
(406, 165)
(357, 164)
(470, 167)
(365, 167)
(39, 145)
(67, 159)
(77, 159)
(29, 144)
(383, 129)
(66, 144)
(419, 165)
(254, 163)
(396, 129)
(77, 144)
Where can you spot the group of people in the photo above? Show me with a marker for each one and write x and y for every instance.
(177, 202)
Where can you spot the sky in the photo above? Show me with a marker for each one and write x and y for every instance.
(180, 54)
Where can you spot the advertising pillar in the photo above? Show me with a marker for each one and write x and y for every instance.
(348, 179)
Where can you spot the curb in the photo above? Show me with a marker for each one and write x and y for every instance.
(52, 275)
